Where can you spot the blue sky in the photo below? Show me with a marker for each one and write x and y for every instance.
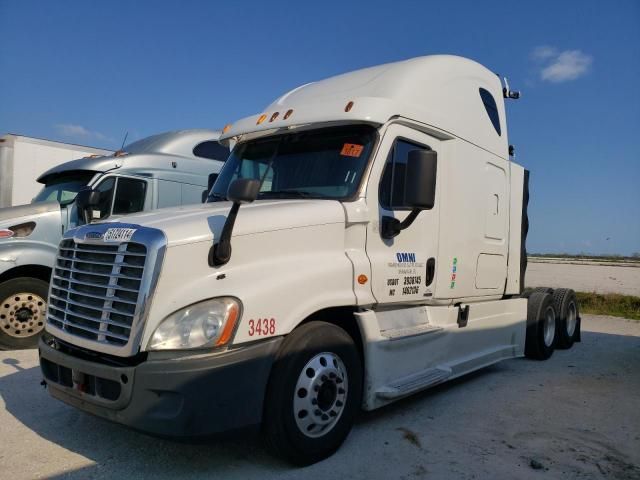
(87, 72)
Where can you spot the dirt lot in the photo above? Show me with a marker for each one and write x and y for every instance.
(585, 278)
(575, 416)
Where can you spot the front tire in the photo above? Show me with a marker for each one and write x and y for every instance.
(541, 326)
(313, 394)
(23, 308)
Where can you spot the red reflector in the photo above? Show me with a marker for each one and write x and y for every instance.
(6, 233)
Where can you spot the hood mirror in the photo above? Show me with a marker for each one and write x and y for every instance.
(241, 191)
(87, 200)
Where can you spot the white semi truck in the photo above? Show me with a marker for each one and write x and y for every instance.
(365, 240)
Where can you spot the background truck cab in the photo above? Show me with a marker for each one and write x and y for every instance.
(173, 168)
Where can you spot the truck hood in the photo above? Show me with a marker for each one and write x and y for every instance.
(197, 223)
(12, 215)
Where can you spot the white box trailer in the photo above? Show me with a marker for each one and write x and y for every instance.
(23, 159)
(364, 241)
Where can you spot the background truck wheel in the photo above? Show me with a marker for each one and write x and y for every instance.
(568, 317)
(541, 326)
(23, 308)
(314, 392)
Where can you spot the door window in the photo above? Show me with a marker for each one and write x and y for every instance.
(393, 178)
(130, 195)
(106, 188)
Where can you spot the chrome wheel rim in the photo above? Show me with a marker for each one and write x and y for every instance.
(320, 395)
(549, 326)
(22, 315)
(572, 319)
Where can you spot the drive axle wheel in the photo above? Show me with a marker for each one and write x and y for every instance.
(566, 305)
(23, 310)
(541, 326)
(313, 394)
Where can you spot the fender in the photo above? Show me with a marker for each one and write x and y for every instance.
(22, 252)
(40, 246)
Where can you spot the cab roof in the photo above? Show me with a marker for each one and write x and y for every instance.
(164, 147)
(441, 91)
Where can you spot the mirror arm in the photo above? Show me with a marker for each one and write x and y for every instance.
(391, 227)
(220, 252)
(86, 215)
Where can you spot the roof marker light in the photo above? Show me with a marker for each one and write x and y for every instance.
(348, 107)
(288, 114)
(274, 116)
(262, 118)
(226, 128)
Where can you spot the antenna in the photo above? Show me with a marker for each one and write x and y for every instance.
(124, 140)
(121, 152)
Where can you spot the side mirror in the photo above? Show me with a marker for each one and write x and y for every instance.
(241, 191)
(420, 186)
(419, 190)
(86, 200)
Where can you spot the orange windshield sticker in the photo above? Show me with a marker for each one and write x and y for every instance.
(351, 150)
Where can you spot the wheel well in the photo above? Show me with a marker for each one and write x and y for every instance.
(34, 271)
(341, 317)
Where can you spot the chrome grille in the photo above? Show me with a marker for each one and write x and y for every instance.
(96, 289)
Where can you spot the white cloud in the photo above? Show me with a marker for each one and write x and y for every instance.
(562, 66)
(78, 131)
(543, 52)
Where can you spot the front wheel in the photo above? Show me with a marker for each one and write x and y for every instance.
(23, 307)
(313, 395)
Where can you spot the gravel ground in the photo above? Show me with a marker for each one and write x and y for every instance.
(574, 416)
(585, 278)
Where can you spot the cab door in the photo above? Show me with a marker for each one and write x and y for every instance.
(403, 268)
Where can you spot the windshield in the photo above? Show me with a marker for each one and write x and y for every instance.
(323, 163)
(63, 188)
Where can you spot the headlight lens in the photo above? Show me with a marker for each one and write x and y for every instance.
(206, 324)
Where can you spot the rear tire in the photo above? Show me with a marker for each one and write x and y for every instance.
(568, 317)
(313, 394)
(23, 308)
(541, 326)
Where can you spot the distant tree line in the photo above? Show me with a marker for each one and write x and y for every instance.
(635, 256)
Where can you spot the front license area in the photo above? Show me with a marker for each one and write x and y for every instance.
(118, 234)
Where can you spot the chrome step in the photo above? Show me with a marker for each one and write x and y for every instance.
(414, 383)
(413, 331)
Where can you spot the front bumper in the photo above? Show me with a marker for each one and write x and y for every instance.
(194, 395)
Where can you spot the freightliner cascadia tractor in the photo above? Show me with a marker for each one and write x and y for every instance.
(364, 240)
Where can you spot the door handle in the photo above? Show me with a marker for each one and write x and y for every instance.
(463, 316)
(431, 271)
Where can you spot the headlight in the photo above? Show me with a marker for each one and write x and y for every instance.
(205, 324)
